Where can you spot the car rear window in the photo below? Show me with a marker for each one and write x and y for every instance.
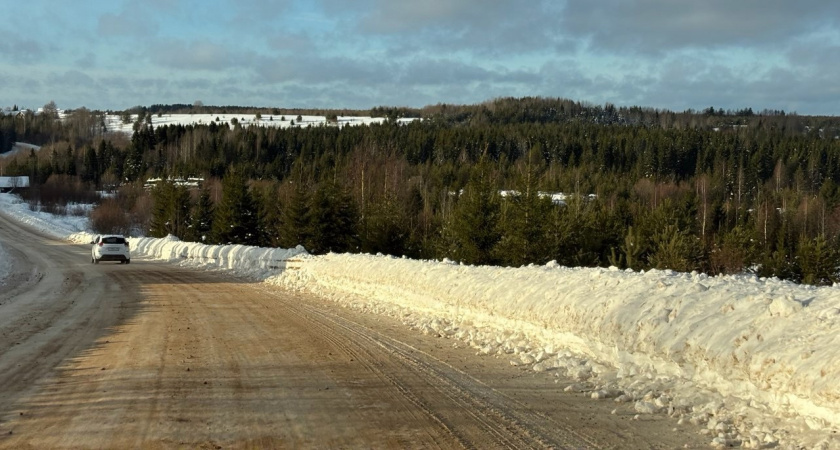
(113, 240)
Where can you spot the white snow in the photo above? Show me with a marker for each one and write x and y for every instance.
(115, 123)
(20, 147)
(59, 227)
(5, 265)
(755, 362)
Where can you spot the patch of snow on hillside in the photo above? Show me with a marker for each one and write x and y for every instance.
(115, 123)
(20, 147)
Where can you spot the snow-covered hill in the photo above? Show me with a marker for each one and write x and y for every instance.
(755, 361)
(115, 122)
(20, 147)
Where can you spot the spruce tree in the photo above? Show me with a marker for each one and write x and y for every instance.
(525, 219)
(201, 218)
(162, 198)
(235, 220)
(180, 207)
(268, 216)
(71, 161)
(333, 221)
(295, 219)
(471, 234)
(91, 167)
(386, 227)
(170, 213)
(819, 260)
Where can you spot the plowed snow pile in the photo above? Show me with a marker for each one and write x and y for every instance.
(756, 360)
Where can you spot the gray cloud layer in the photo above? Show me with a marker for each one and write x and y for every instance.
(328, 53)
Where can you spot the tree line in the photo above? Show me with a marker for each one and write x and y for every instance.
(712, 190)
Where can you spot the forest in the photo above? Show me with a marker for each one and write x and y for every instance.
(711, 190)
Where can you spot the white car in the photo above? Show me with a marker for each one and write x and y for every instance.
(110, 247)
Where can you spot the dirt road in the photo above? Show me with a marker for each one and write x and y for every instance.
(151, 355)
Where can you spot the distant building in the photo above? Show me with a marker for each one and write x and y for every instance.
(9, 184)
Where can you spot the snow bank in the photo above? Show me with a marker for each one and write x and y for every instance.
(58, 227)
(753, 359)
(5, 265)
(252, 262)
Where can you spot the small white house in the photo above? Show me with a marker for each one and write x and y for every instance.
(9, 184)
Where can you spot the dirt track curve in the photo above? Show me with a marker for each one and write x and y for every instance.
(151, 355)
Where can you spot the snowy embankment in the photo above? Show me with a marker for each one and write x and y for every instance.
(5, 265)
(755, 362)
(56, 226)
(752, 359)
(256, 263)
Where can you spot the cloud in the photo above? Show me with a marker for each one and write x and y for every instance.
(314, 69)
(448, 71)
(285, 41)
(263, 12)
(197, 55)
(489, 27)
(71, 78)
(86, 60)
(653, 26)
(19, 49)
(131, 22)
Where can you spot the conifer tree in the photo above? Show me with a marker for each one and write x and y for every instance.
(171, 211)
(71, 161)
(386, 227)
(819, 260)
(268, 216)
(91, 167)
(674, 249)
(472, 232)
(295, 219)
(161, 196)
(333, 221)
(133, 166)
(235, 220)
(201, 218)
(525, 219)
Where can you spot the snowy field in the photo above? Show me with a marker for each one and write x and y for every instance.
(115, 123)
(755, 362)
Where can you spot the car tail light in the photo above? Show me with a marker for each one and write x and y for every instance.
(101, 243)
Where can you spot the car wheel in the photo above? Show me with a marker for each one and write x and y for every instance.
(95, 261)
(128, 261)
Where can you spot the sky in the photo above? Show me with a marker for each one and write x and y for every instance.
(668, 54)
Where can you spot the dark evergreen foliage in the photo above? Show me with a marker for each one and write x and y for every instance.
(295, 219)
(712, 190)
(235, 220)
(473, 229)
(333, 220)
(171, 210)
